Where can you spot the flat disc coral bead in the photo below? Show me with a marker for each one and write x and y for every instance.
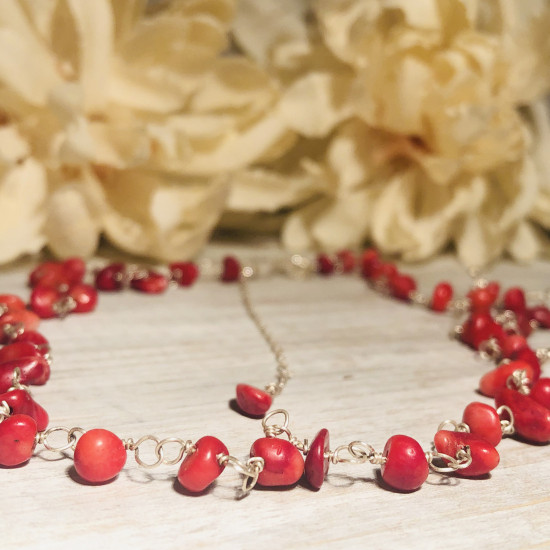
(316, 465)
(99, 456)
(253, 401)
(406, 467)
(17, 439)
(200, 468)
(283, 462)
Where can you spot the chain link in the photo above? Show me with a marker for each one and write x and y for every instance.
(359, 453)
(462, 460)
(283, 371)
(506, 425)
(42, 438)
(185, 447)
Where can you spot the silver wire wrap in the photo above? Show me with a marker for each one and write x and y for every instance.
(5, 410)
(457, 426)
(507, 426)
(250, 469)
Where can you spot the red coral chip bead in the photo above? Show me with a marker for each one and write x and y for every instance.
(370, 261)
(514, 300)
(85, 297)
(253, 401)
(43, 301)
(283, 462)
(27, 320)
(99, 456)
(317, 464)
(481, 299)
(152, 283)
(325, 264)
(483, 421)
(401, 286)
(484, 455)
(406, 467)
(34, 370)
(111, 278)
(18, 350)
(512, 344)
(21, 402)
(74, 270)
(201, 467)
(442, 295)
(32, 337)
(528, 356)
(231, 269)
(524, 322)
(540, 314)
(540, 392)
(493, 381)
(184, 273)
(347, 260)
(384, 270)
(531, 419)
(48, 274)
(494, 288)
(11, 302)
(479, 327)
(17, 439)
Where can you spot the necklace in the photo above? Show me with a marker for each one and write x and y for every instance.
(495, 328)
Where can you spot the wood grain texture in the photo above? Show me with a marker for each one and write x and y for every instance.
(364, 367)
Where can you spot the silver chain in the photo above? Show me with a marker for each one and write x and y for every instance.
(283, 371)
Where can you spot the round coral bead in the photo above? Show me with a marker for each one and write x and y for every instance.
(17, 439)
(317, 464)
(283, 463)
(253, 401)
(200, 468)
(442, 295)
(406, 467)
(99, 456)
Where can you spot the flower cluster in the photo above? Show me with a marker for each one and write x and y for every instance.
(414, 125)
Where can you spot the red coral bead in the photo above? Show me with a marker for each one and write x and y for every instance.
(325, 264)
(401, 286)
(283, 463)
(479, 327)
(28, 320)
(74, 270)
(481, 299)
(514, 300)
(512, 344)
(99, 456)
(528, 356)
(200, 468)
(483, 421)
(540, 392)
(32, 337)
(531, 419)
(494, 288)
(347, 260)
(540, 314)
(18, 350)
(85, 297)
(184, 273)
(21, 402)
(406, 467)
(17, 439)
(494, 380)
(317, 464)
(442, 295)
(484, 456)
(43, 301)
(48, 274)
(253, 401)
(34, 370)
(11, 302)
(384, 271)
(231, 269)
(370, 261)
(111, 278)
(152, 283)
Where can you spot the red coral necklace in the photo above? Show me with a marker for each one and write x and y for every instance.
(495, 326)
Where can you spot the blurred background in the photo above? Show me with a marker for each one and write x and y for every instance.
(419, 127)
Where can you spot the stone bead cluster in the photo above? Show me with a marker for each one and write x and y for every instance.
(496, 325)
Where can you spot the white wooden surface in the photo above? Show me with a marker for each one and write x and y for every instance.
(364, 367)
